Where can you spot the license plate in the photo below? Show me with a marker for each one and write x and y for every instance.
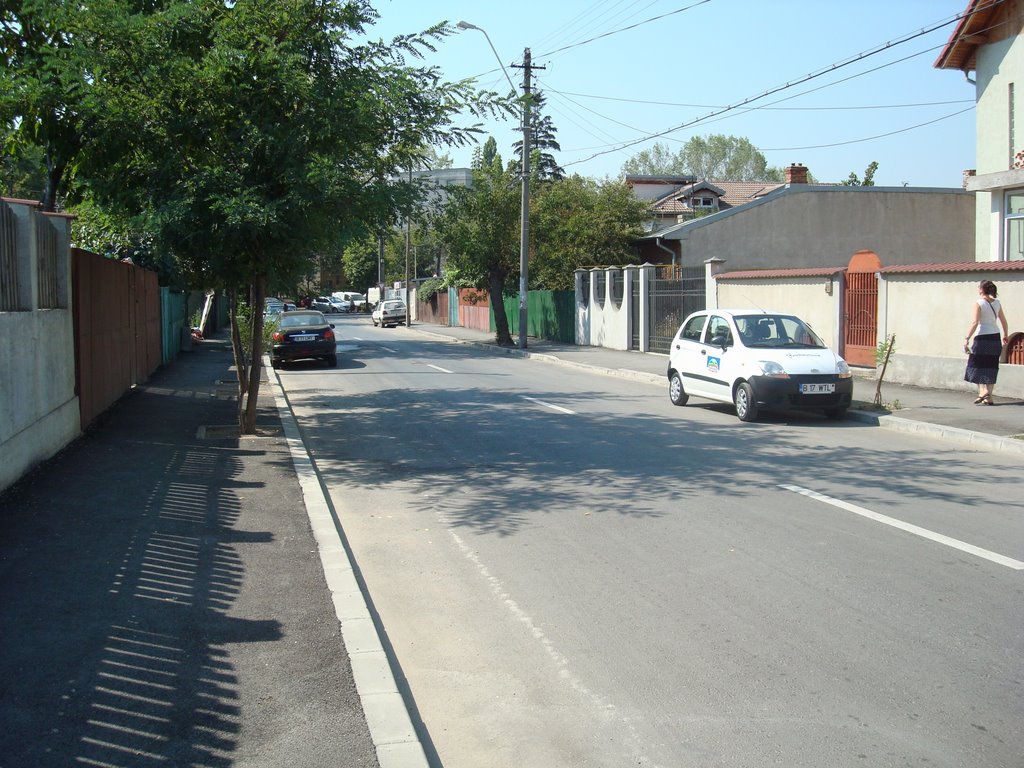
(817, 389)
(304, 337)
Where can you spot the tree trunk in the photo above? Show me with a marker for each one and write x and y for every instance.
(247, 425)
(236, 343)
(496, 287)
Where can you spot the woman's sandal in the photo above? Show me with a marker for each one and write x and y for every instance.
(987, 400)
(978, 400)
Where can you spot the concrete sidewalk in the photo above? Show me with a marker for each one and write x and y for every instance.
(162, 598)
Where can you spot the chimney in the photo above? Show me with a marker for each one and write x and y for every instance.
(796, 174)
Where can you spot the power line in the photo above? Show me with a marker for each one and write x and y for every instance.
(867, 138)
(777, 89)
(624, 29)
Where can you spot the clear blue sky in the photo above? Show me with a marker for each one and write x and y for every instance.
(675, 72)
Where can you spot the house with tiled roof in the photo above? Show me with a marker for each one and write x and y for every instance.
(799, 224)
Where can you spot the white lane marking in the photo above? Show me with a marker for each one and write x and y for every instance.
(439, 368)
(389, 349)
(970, 549)
(558, 408)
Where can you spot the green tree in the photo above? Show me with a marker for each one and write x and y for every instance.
(251, 135)
(578, 222)
(869, 177)
(41, 84)
(543, 165)
(479, 229)
(714, 157)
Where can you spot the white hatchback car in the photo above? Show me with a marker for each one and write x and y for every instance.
(756, 359)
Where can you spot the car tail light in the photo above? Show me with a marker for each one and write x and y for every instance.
(278, 336)
(328, 334)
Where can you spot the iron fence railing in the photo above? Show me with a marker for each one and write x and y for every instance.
(8, 259)
(671, 300)
(49, 279)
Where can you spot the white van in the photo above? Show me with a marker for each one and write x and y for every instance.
(756, 359)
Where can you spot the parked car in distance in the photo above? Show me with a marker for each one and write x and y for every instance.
(323, 304)
(340, 305)
(356, 300)
(303, 334)
(756, 359)
(391, 312)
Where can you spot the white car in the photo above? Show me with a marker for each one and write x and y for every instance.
(340, 305)
(756, 359)
(391, 312)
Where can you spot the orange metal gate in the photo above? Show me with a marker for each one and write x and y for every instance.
(860, 332)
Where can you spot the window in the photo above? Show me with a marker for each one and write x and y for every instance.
(702, 202)
(719, 327)
(692, 329)
(1014, 225)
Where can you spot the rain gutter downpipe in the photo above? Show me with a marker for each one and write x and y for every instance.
(666, 249)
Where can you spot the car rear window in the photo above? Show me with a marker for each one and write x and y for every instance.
(302, 321)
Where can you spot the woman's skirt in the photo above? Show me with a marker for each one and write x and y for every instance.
(983, 361)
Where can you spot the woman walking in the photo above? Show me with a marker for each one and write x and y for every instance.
(983, 354)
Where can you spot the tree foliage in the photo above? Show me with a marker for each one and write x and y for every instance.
(869, 177)
(480, 231)
(543, 143)
(578, 222)
(714, 157)
(247, 135)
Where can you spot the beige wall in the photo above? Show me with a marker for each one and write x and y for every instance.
(930, 314)
(804, 297)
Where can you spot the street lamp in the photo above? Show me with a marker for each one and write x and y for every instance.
(524, 218)
(467, 25)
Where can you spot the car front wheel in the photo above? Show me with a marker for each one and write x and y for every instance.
(746, 404)
(676, 393)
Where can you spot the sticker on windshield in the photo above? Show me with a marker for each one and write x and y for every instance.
(713, 364)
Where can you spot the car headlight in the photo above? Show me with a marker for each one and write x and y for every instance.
(843, 369)
(772, 369)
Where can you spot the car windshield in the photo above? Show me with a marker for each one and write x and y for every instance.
(776, 331)
(302, 321)
(393, 305)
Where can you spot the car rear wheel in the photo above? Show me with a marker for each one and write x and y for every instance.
(275, 364)
(746, 405)
(676, 393)
(332, 361)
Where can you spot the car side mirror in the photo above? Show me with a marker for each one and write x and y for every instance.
(332, 325)
(719, 341)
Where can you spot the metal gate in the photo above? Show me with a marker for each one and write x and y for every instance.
(634, 310)
(672, 298)
(860, 333)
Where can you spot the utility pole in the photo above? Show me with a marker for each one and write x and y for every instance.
(524, 227)
(408, 243)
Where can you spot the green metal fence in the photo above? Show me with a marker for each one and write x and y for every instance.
(550, 315)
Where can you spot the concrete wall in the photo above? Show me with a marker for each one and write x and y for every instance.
(803, 226)
(39, 411)
(930, 314)
(802, 296)
(601, 322)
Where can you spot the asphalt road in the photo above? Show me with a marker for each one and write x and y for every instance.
(572, 572)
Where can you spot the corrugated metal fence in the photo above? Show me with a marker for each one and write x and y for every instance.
(117, 329)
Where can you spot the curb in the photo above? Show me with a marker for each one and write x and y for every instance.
(387, 716)
(965, 437)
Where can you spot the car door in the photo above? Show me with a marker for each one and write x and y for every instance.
(688, 356)
(718, 361)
